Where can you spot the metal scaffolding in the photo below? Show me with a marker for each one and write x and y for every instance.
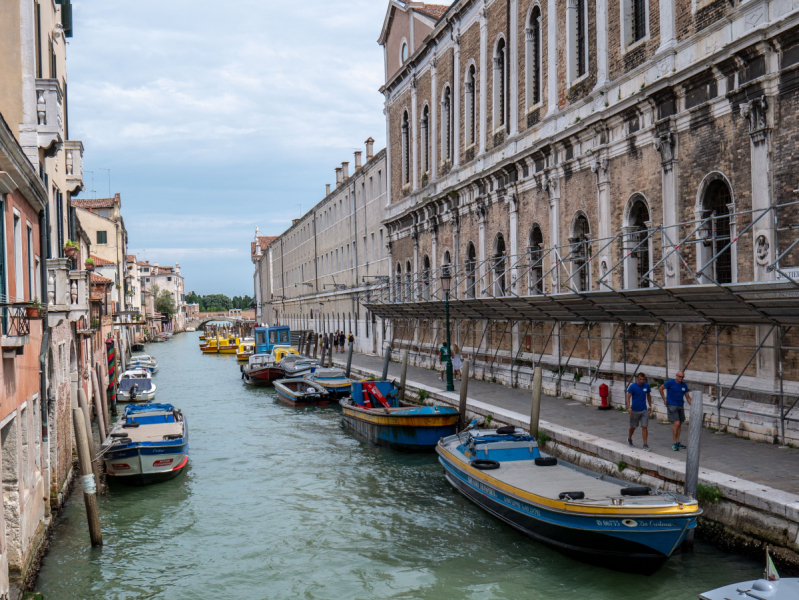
(617, 282)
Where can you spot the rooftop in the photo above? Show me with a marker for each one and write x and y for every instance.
(95, 278)
(263, 241)
(101, 262)
(96, 202)
(436, 11)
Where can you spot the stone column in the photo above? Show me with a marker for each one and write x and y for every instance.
(415, 274)
(456, 244)
(552, 57)
(414, 157)
(483, 77)
(513, 257)
(602, 43)
(605, 231)
(481, 251)
(551, 184)
(668, 27)
(456, 97)
(513, 36)
(756, 111)
(386, 112)
(433, 118)
(665, 142)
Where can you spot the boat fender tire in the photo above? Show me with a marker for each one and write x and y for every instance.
(507, 430)
(635, 490)
(119, 434)
(484, 464)
(546, 461)
(132, 424)
(571, 495)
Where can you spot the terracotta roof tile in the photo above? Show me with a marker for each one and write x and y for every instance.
(436, 11)
(96, 202)
(131, 258)
(101, 262)
(264, 241)
(95, 278)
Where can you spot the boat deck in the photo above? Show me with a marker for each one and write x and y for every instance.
(151, 433)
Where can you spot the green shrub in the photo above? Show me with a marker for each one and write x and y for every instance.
(708, 493)
(424, 394)
(542, 438)
(621, 465)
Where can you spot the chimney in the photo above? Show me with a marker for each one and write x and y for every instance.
(294, 222)
(345, 167)
(370, 149)
(338, 176)
(358, 160)
(327, 189)
(177, 267)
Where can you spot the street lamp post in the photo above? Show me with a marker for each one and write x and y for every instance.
(446, 282)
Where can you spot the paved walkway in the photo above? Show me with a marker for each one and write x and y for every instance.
(754, 461)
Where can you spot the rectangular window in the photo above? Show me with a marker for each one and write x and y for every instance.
(380, 181)
(169, 279)
(104, 212)
(380, 249)
(31, 272)
(3, 263)
(19, 269)
(581, 25)
(102, 237)
(38, 40)
(639, 20)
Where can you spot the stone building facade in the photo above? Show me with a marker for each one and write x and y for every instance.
(546, 146)
(310, 277)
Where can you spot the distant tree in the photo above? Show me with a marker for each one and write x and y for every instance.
(216, 302)
(193, 298)
(165, 303)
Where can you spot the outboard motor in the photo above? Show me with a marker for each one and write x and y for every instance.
(133, 391)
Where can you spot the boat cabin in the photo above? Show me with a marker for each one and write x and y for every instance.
(268, 337)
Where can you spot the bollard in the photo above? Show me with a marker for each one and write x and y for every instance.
(103, 387)
(83, 403)
(386, 358)
(98, 410)
(315, 345)
(98, 400)
(692, 460)
(349, 360)
(464, 391)
(87, 477)
(535, 409)
(403, 377)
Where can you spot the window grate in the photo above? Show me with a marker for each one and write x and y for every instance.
(639, 20)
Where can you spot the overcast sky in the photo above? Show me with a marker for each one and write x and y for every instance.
(215, 117)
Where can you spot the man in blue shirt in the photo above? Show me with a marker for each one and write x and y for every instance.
(674, 399)
(639, 404)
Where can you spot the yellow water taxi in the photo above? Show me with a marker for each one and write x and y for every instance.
(221, 346)
(246, 349)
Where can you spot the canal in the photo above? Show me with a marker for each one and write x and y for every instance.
(282, 503)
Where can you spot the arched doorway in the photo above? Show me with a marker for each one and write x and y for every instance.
(499, 265)
(471, 270)
(535, 249)
(580, 252)
(636, 246)
(716, 207)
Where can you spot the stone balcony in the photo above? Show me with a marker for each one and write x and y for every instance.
(74, 162)
(49, 113)
(67, 292)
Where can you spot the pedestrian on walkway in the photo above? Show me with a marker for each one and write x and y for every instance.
(335, 341)
(674, 399)
(342, 341)
(457, 361)
(443, 354)
(639, 405)
(351, 338)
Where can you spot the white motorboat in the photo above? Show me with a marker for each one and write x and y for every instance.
(136, 385)
(143, 361)
(769, 587)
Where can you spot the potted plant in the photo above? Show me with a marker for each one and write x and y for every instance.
(34, 309)
(95, 323)
(89, 264)
(70, 249)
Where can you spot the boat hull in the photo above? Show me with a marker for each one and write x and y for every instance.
(143, 466)
(300, 400)
(263, 376)
(406, 433)
(147, 396)
(638, 545)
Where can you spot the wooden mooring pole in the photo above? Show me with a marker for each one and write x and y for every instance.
(386, 358)
(692, 458)
(87, 477)
(349, 360)
(464, 395)
(330, 352)
(403, 376)
(83, 403)
(535, 408)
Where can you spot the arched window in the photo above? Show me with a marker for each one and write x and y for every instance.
(426, 139)
(426, 278)
(500, 85)
(398, 284)
(408, 283)
(471, 106)
(406, 149)
(580, 253)
(499, 261)
(446, 130)
(533, 60)
(471, 271)
(404, 53)
(717, 231)
(535, 249)
(636, 245)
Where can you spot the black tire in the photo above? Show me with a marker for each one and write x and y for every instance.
(548, 461)
(571, 495)
(635, 490)
(484, 464)
(507, 430)
(132, 424)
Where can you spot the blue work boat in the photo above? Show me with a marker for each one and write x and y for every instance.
(592, 517)
(374, 413)
(150, 443)
(333, 379)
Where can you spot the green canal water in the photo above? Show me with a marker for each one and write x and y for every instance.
(282, 503)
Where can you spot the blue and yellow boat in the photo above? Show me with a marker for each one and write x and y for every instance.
(333, 379)
(374, 413)
(592, 517)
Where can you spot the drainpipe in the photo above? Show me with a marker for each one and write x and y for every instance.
(43, 400)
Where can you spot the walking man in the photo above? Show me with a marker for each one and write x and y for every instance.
(443, 357)
(674, 399)
(639, 405)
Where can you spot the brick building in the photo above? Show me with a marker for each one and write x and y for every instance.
(605, 155)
